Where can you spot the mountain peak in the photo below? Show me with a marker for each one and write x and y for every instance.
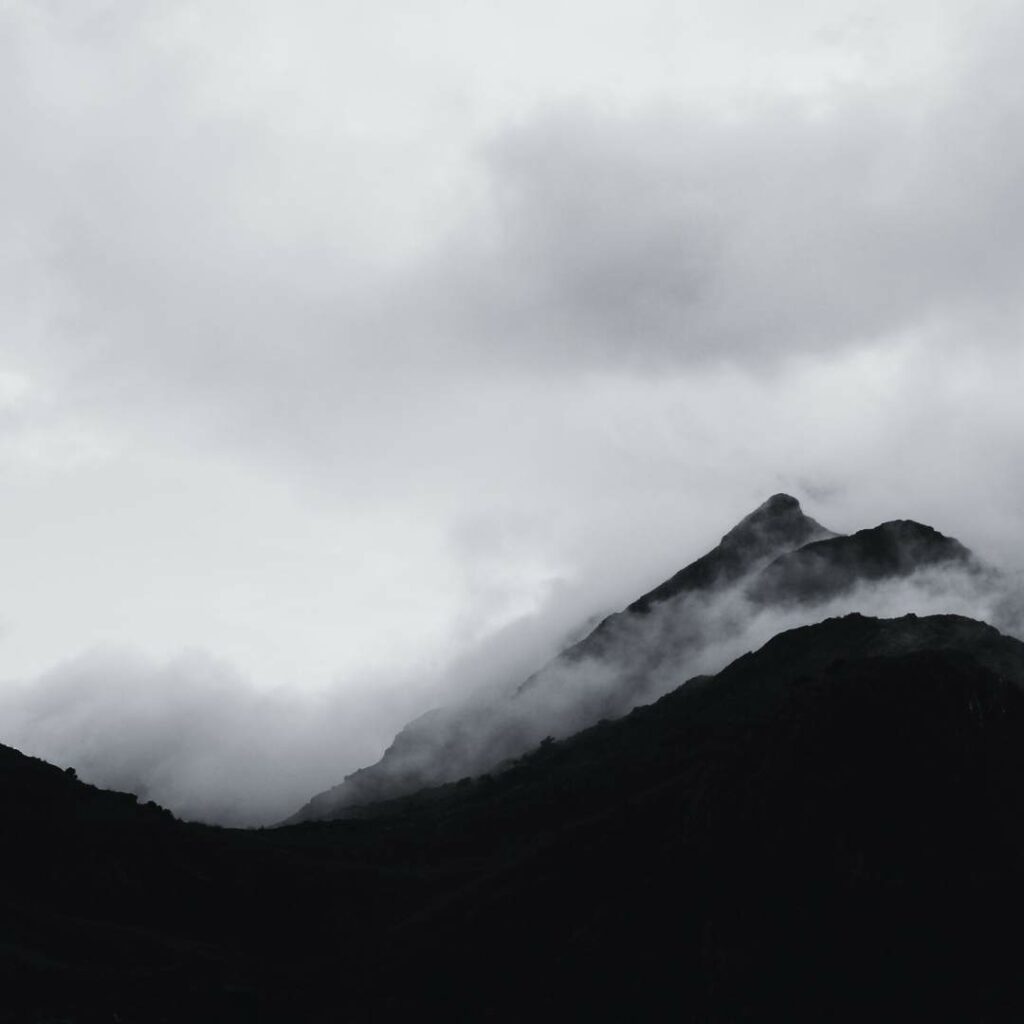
(908, 528)
(776, 526)
(777, 503)
(778, 521)
(778, 506)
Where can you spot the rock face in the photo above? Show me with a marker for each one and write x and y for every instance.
(775, 558)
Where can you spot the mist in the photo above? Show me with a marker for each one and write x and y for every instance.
(636, 657)
(199, 738)
(342, 376)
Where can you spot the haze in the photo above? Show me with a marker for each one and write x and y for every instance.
(351, 352)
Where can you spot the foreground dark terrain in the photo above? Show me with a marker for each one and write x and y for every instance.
(832, 828)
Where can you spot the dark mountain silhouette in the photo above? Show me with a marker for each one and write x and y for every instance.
(775, 557)
(822, 569)
(826, 830)
(448, 743)
(774, 529)
(777, 526)
(831, 828)
(35, 794)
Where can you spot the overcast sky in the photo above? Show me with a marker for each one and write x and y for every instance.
(336, 337)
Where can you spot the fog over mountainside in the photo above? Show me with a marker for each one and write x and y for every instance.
(775, 570)
(196, 737)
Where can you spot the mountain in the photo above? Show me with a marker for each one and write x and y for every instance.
(448, 743)
(115, 911)
(822, 569)
(34, 793)
(779, 525)
(776, 558)
(829, 828)
(774, 529)
(673, 819)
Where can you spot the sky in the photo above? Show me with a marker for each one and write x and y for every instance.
(351, 351)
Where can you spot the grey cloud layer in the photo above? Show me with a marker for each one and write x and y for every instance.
(672, 239)
(561, 350)
(652, 238)
(197, 737)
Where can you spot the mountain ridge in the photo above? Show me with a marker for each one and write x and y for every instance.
(778, 524)
(825, 567)
(775, 526)
(776, 555)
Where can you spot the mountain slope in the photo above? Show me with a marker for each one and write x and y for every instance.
(822, 569)
(832, 828)
(112, 911)
(777, 526)
(448, 743)
(776, 559)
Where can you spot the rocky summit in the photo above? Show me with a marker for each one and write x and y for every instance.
(775, 558)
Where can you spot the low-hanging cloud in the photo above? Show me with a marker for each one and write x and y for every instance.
(635, 658)
(192, 734)
(198, 737)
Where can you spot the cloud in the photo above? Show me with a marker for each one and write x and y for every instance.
(673, 238)
(198, 737)
(191, 734)
(198, 253)
(638, 659)
(326, 352)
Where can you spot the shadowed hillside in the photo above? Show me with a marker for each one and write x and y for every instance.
(832, 828)
(822, 569)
